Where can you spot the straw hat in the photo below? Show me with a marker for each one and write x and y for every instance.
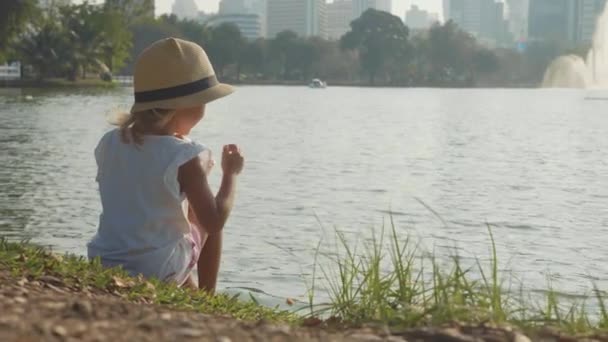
(174, 73)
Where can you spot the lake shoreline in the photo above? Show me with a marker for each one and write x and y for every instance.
(97, 83)
(67, 297)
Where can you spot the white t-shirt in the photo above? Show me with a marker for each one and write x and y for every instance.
(144, 225)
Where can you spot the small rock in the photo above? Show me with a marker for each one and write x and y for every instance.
(165, 316)
(148, 325)
(521, 338)
(52, 305)
(51, 280)
(83, 307)
(35, 283)
(281, 329)
(20, 300)
(79, 328)
(60, 331)
(223, 339)
(55, 288)
(9, 321)
(453, 334)
(189, 332)
(364, 338)
(22, 281)
(394, 339)
(312, 322)
(102, 325)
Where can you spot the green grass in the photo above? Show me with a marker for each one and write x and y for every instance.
(25, 260)
(388, 278)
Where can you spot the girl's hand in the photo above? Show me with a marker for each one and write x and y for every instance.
(232, 160)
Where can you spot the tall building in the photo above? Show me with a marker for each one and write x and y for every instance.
(360, 6)
(418, 19)
(339, 17)
(494, 27)
(517, 17)
(587, 13)
(464, 13)
(185, 9)
(249, 24)
(233, 7)
(483, 19)
(552, 20)
(257, 7)
(305, 17)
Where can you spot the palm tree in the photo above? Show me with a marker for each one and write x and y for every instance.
(41, 48)
(82, 24)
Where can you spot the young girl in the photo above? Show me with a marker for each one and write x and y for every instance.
(160, 219)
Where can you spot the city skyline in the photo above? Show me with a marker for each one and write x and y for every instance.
(399, 6)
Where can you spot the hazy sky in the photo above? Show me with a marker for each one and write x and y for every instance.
(399, 6)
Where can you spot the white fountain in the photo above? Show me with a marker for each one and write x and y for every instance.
(572, 71)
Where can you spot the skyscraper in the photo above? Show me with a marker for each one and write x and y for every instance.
(248, 24)
(587, 13)
(305, 17)
(551, 19)
(185, 9)
(483, 19)
(417, 19)
(339, 17)
(464, 13)
(360, 6)
(517, 14)
(241, 7)
(571, 21)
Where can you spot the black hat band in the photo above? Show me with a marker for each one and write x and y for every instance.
(177, 91)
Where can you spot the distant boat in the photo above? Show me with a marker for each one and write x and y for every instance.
(591, 98)
(317, 84)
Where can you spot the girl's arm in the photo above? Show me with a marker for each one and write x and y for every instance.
(211, 211)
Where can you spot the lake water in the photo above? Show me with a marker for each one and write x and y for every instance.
(531, 163)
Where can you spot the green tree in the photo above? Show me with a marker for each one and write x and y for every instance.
(44, 48)
(380, 38)
(84, 25)
(251, 59)
(450, 52)
(14, 15)
(282, 51)
(117, 39)
(225, 45)
(485, 61)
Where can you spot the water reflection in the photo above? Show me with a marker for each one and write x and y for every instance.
(530, 163)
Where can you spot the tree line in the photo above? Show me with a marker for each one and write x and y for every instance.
(78, 41)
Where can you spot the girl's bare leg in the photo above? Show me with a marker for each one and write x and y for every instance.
(209, 263)
(209, 260)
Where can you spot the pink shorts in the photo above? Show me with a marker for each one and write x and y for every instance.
(196, 242)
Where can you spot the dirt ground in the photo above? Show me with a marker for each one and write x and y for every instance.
(45, 310)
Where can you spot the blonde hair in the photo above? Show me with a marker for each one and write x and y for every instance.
(130, 124)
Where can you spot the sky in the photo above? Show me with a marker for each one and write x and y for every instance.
(399, 6)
